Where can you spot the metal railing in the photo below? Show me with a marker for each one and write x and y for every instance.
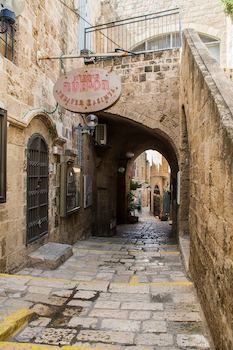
(151, 32)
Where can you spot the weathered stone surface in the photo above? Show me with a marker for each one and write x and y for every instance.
(50, 255)
(56, 336)
(81, 303)
(106, 337)
(41, 298)
(154, 339)
(26, 95)
(208, 96)
(192, 341)
(141, 321)
(121, 325)
(139, 315)
(107, 305)
(40, 322)
(154, 327)
(104, 313)
(116, 287)
(97, 286)
(43, 310)
(39, 290)
(85, 295)
(141, 306)
(86, 322)
(62, 293)
(28, 334)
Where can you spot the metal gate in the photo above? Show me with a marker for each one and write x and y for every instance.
(37, 188)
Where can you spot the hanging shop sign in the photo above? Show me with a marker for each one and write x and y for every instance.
(87, 90)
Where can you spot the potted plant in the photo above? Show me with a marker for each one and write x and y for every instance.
(132, 206)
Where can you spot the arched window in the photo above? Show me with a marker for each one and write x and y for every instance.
(213, 45)
(172, 40)
(37, 188)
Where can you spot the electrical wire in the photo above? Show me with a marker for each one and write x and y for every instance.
(78, 14)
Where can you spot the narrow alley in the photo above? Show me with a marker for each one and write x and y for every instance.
(127, 291)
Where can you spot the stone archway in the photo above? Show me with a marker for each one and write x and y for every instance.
(147, 116)
(112, 185)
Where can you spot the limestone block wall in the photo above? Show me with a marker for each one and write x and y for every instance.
(145, 117)
(155, 77)
(45, 28)
(206, 17)
(206, 95)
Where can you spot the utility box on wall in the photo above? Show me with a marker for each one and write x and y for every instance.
(70, 176)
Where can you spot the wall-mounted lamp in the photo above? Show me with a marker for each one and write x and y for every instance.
(91, 121)
(7, 19)
(129, 155)
(121, 170)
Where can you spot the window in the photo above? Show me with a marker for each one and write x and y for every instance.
(212, 44)
(172, 40)
(70, 188)
(160, 42)
(7, 42)
(3, 143)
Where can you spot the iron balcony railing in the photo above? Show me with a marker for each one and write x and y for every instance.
(151, 32)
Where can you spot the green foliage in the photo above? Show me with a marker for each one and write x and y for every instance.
(134, 185)
(228, 6)
(131, 205)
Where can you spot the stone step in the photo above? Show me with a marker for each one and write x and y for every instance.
(50, 255)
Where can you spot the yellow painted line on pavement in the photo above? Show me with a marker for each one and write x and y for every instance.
(13, 323)
(98, 251)
(5, 275)
(171, 283)
(26, 346)
(134, 281)
(166, 252)
(52, 279)
(30, 346)
(73, 347)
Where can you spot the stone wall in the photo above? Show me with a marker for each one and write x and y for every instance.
(155, 76)
(206, 95)
(145, 117)
(45, 28)
(206, 17)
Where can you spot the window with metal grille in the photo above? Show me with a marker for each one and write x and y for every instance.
(7, 40)
(173, 40)
(3, 147)
(70, 188)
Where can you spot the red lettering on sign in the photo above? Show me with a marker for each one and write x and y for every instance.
(66, 87)
(105, 85)
(87, 90)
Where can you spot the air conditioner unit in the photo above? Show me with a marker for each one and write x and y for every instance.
(101, 134)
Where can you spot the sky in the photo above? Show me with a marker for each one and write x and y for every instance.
(154, 156)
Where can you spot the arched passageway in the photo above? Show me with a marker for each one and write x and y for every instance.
(114, 168)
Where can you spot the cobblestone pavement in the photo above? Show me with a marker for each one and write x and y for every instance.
(129, 291)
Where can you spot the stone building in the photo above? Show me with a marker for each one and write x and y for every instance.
(154, 180)
(141, 175)
(178, 102)
(160, 187)
(41, 138)
(207, 18)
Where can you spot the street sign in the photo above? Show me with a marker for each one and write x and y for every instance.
(87, 90)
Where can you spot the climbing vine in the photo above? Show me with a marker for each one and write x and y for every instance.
(228, 6)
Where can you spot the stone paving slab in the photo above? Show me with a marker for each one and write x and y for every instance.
(137, 296)
(50, 255)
